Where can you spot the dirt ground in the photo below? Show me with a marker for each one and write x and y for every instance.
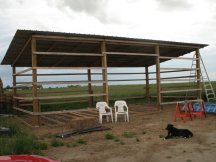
(147, 143)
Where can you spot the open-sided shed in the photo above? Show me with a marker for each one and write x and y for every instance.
(37, 50)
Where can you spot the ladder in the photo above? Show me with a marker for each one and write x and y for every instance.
(209, 91)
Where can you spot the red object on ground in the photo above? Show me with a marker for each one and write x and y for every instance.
(25, 158)
(201, 112)
(182, 114)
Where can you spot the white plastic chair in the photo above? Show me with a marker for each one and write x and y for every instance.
(121, 108)
(103, 111)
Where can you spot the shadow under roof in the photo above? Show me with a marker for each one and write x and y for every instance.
(19, 51)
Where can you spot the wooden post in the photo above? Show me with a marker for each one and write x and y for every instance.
(1, 87)
(147, 84)
(36, 107)
(14, 80)
(90, 88)
(198, 72)
(157, 51)
(15, 101)
(104, 72)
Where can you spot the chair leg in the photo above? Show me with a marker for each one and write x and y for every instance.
(115, 117)
(127, 117)
(112, 118)
(100, 119)
(107, 117)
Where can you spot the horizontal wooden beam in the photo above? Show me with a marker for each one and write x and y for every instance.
(69, 82)
(131, 54)
(182, 102)
(183, 58)
(187, 76)
(67, 54)
(122, 80)
(179, 80)
(67, 68)
(184, 69)
(58, 97)
(23, 86)
(182, 90)
(66, 38)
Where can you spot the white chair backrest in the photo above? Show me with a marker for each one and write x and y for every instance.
(119, 106)
(101, 106)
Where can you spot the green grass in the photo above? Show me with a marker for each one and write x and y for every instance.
(21, 142)
(56, 143)
(109, 136)
(77, 143)
(129, 134)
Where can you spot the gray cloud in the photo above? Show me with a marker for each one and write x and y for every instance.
(170, 5)
(95, 8)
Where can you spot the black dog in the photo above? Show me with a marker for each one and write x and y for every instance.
(174, 132)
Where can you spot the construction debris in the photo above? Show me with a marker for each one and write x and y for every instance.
(81, 131)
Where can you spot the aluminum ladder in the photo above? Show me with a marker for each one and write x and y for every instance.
(209, 91)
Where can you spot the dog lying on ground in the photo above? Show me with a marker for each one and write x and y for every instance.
(174, 132)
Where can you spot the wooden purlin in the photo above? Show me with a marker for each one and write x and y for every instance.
(131, 54)
(67, 54)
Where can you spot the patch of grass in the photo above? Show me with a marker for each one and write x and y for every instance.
(129, 134)
(76, 143)
(122, 142)
(144, 132)
(161, 136)
(56, 143)
(116, 139)
(109, 136)
(49, 135)
(81, 141)
(41, 146)
(188, 160)
(22, 141)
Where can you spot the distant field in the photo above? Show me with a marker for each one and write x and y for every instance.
(133, 94)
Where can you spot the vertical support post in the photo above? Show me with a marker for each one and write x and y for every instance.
(36, 107)
(1, 87)
(15, 102)
(104, 71)
(90, 88)
(198, 72)
(157, 51)
(147, 84)
(14, 80)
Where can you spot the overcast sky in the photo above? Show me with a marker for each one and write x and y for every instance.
(174, 20)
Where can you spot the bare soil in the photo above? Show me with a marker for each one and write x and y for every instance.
(147, 144)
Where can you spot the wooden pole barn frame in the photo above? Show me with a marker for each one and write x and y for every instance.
(40, 50)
